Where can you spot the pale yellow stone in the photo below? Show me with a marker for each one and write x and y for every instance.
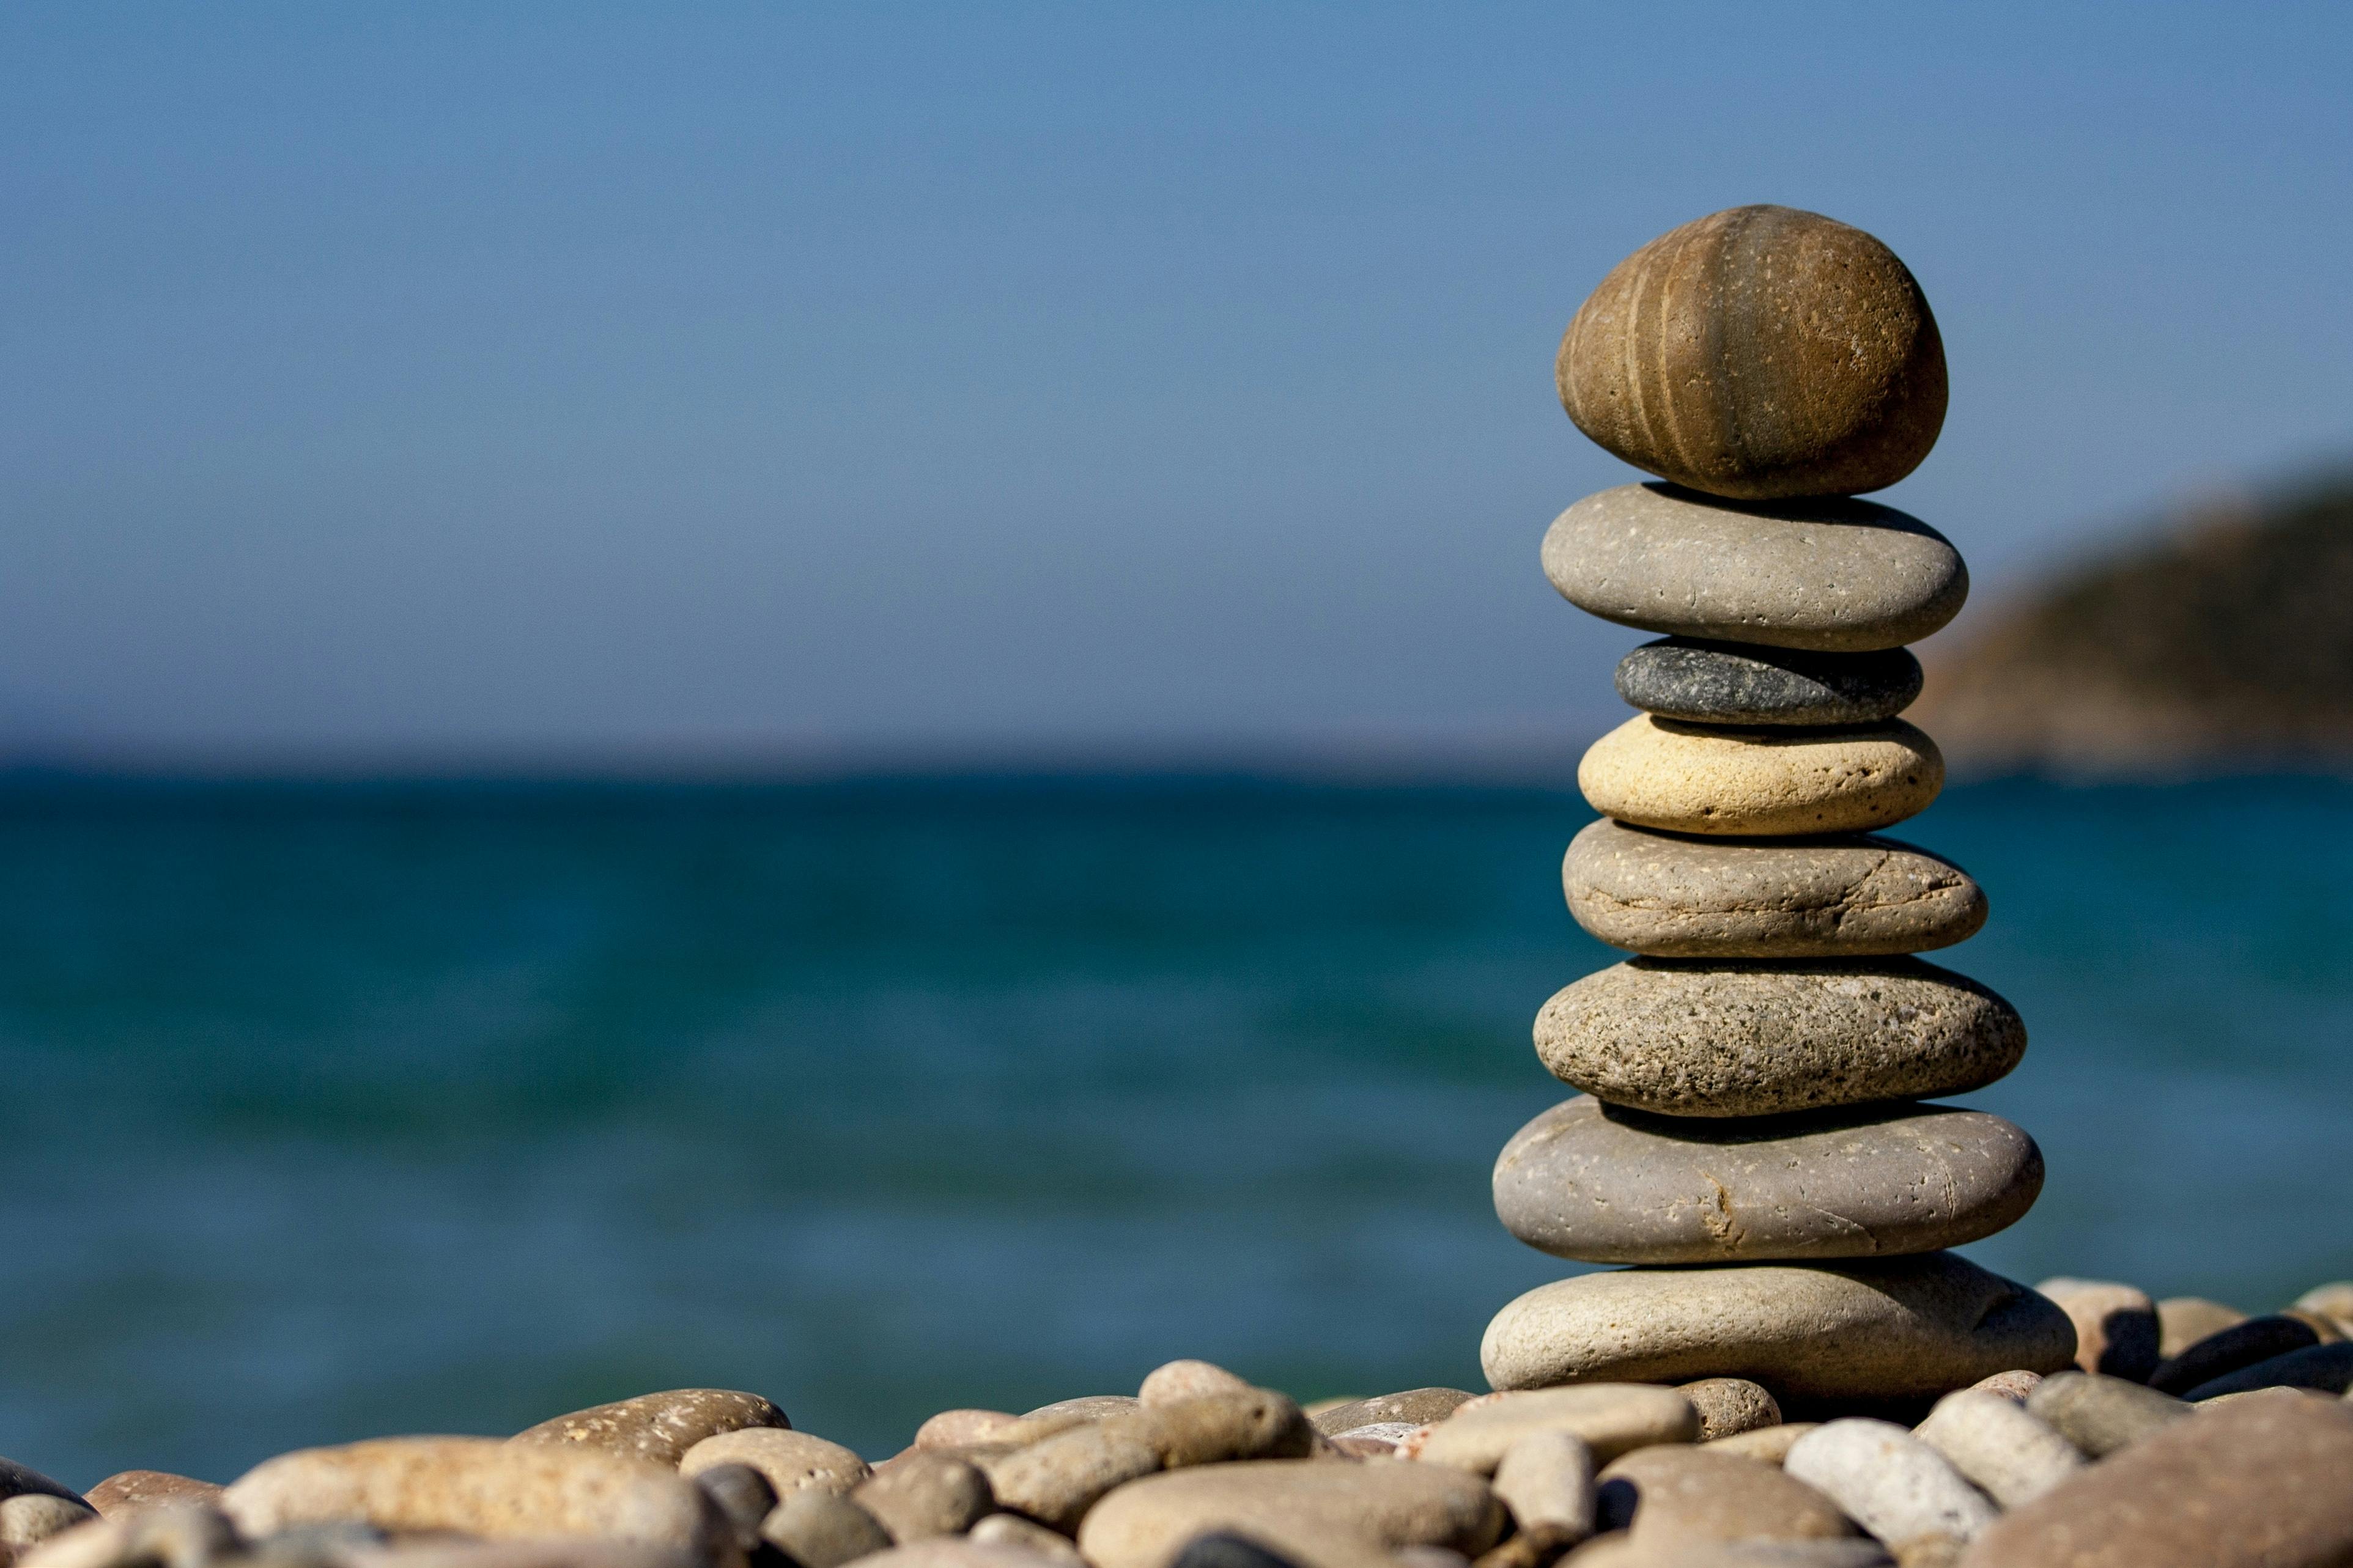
(1657, 772)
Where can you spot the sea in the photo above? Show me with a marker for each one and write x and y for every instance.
(335, 1111)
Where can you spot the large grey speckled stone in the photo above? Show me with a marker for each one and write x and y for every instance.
(1848, 896)
(1680, 1037)
(1603, 1184)
(1748, 683)
(1899, 1329)
(1843, 577)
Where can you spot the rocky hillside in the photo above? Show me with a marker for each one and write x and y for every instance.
(2226, 645)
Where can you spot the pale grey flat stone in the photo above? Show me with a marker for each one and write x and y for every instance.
(2009, 1455)
(1888, 1481)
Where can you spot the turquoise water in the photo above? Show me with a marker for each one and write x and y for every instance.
(344, 1111)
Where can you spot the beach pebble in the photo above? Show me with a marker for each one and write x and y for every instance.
(1619, 1551)
(1609, 1418)
(127, 1491)
(2102, 1415)
(1606, 1184)
(2115, 1325)
(2183, 1320)
(1225, 1549)
(1547, 1479)
(1390, 1432)
(1760, 351)
(1675, 1497)
(660, 1427)
(1297, 1509)
(1846, 896)
(1679, 1037)
(30, 1518)
(1086, 1407)
(823, 1529)
(1905, 1328)
(1683, 778)
(793, 1462)
(2013, 1385)
(168, 1535)
(477, 1486)
(2260, 1482)
(927, 1494)
(2321, 1323)
(1188, 1380)
(1766, 1445)
(962, 1428)
(2010, 1456)
(1750, 683)
(1212, 1428)
(1414, 1406)
(1824, 574)
(1012, 1529)
(959, 1552)
(1727, 1406)
(1888, 1481)
(2327, 1368)
(742, 1494)
(2333, 1300)
(1057, 1480)
(2227, 1349)
(23, 1481)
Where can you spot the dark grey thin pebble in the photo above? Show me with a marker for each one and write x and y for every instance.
(1748, 683)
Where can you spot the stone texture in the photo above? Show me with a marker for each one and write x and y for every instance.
(2328, 1368)
(23, 1481)
(2242, 1345)
(2102, 1415)
(1056, 1481)
(1894, 1485)
(128, 1491)
(1012, 1529)
(2260, 1482)
(1824, 576)
(1609, 1418)
(2013, 1385)
(793, 1462)
(1850, 896)
(1675, 1497)
(2333, 1300)
(1547, 1479)
(2010, 1456)
(1730, 1405)
(30, 1518)
(1297, 1509)
(477, 1486)
(1087, 1406)
(926, 1494)
(823, 1529)
(957, 1551)
(1760, 351)
(1186, 1380)
(2115, 1325)
(960, 1428)
(744, 1495)
(1418, 1406)
(1683, 778)
(2183, 1320)
(1752, 683)
(1679, 1037)
(1604, 1184)
(1766, 1445)
(660, 1427)
(1905, 1328)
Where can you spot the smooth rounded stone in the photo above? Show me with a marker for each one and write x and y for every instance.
(1547, 1479)
(660, 1427)
(2333, 1300)
(1745, 783)
(1297, 1509)
(1618, 1550)
(1188, 1379)
(1057, 1480)
(172, 1534)
(2328, 1368)
(1847, 895)
(925, 1494)
(793, 1462)
(2013, 1457)
(23, 1481)
(2013, 1385)
(1903, 1328)
(1766, 1445)
(1704, 682)
(1610, 1418)
(2183, 1320)
(1672, 1495)
(2102, 1415)
(1225, 1549)
(1011, 1530)
(960, 1551)
(1086, 1407)
(477, 1486)
(2227, 1349)
(1888, 1481)
(1679, 1037)
(2115, 1325)
(1415, 1407)
(1390, 1432)
(1760, 351)
(30, 1518)
(744, 1495)
(1216, 1428)
(960, 1428)
(2262, 1482)
(1727, 1406)
(127, 1491)
(1822, 575)
(1605, 1185)
(823, 1529)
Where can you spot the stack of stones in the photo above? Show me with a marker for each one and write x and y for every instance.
(1752, 1135)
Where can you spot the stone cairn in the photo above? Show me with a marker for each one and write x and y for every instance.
(1751, 1136)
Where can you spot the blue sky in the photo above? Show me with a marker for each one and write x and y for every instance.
(439, 385)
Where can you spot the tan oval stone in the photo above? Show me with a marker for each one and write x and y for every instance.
(660, 1427)
(793, 1462)
(2333, 1300)
(2007, 1453)
(1056, 1481)
(926, 1493)
(1852, 896)
(823, 1529)
(2183, 1320)
(30, 1518)
(1686, 1038)
(1660, 773)
(1414, 1406)
(1547, 1479)
(1729, 1407)
(1293, 1508)
(1188, 1380)
(128, 1491)
(961, 1428)
(1766, 1445)
(1760, 351)
(1902, 1329)
(1609, 1418)
(2115, 1325)
(2101, 1415)
(1675, 1497)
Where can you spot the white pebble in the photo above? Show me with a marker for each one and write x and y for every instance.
(1888, 1482)
(2014, 1457)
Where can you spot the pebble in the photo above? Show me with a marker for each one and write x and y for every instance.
(1850, 895)
(30, 1518)
(2115, 1325)
(1609, 1418)
(2183, 1320)
(1766, 1445)
(1547, 1479)
(2321, 1324)
(742, 1494)
(2227, 1349)
(2333, 1300)
(2013, 1385)
(1087, 1406)
(1760, 351)
(1415, 1407)
(131, 1491)
(1056, 1481)
(1605, 1185)
(1729, 1407)
(2010, 1456)
(925, 1494)
(657, 1426)
(479, 1486)
(1294, 1508)
(174, 1535)
(1888, 1481)
(2328, 1368)
(1213, 1429)
(958, 1551)
(1824, 576)
(1188, 1379)
(1673, 1497)
(1390, 1432)
(1855, 1552)
(1682, 778)
(2260, 1482)
(823, 1529)
(1680, 1038)
(1905, 1328)
(1012, 1529)
(793, 1462)
(1750, 683)
(962, 1428)
(2102, 1415)
(23, 1481)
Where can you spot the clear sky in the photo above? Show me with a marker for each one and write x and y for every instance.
(482, 382)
